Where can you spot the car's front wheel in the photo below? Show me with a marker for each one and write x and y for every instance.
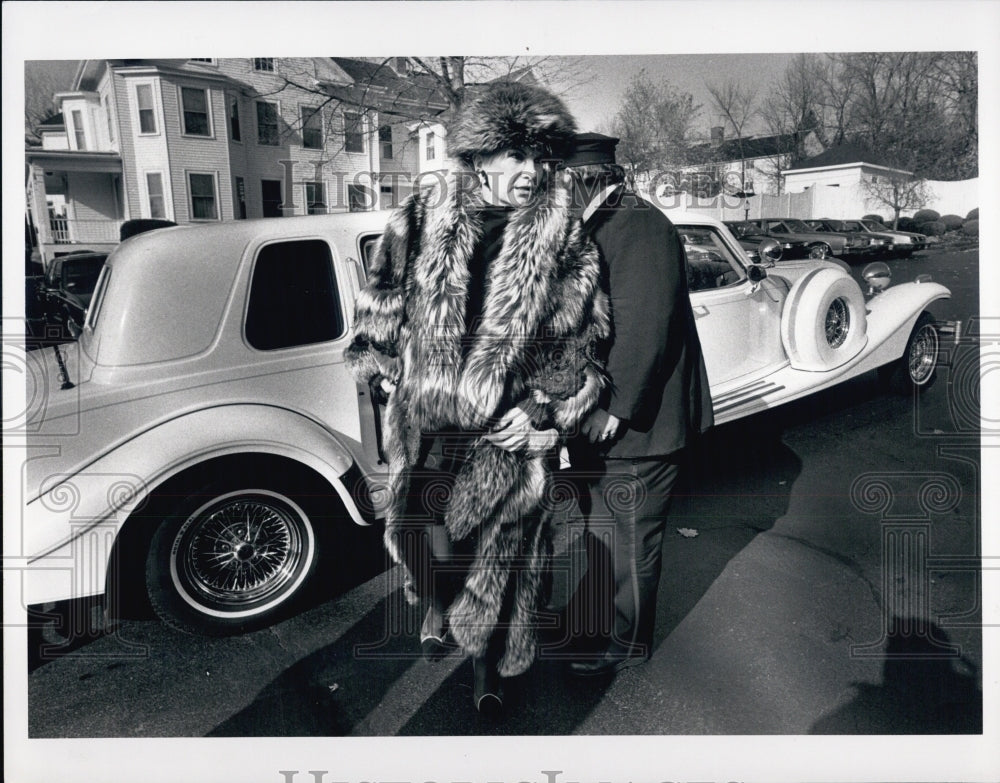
(915, 369)
(230, 559)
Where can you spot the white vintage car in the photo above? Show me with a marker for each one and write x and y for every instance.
(198, 439)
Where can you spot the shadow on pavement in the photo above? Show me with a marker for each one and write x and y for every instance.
(925, 690)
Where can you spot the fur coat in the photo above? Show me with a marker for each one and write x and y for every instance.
(543, 315)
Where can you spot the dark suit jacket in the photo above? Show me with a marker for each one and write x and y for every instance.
(659, 385)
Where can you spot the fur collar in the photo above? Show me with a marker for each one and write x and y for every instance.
(517, 294)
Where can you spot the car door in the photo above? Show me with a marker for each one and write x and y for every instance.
(738, 320)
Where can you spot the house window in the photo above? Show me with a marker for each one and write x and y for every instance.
(293, 296)
(194, 104)
(240, 198)
(270, 194)
(312, 127)
(315, 198)
(265, 64)
(81, 140)
(111, 123)
(358, 198)
(429, 148)
(209, 60)
(154, 190)
(267, 123)
(234, 118)
(147, 111)
(354, 140)
(202, 189)
(385, 141)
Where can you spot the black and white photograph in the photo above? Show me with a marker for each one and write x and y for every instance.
(571, 392)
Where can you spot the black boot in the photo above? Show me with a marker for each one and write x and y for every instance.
(434, 642)
(486, 687)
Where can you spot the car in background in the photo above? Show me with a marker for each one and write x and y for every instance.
(831, 243)
(204, 444)
(750, 236)
(881, 244)
(905, 243)
(66, 290)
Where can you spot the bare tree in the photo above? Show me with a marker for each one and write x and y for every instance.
(792, 110)
(427, 90)
(897, 192)
(736, 104)
(654, 124)
(42, 80)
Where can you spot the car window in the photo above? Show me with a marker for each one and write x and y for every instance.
(852, 226)
(293, 296)
(710, 262)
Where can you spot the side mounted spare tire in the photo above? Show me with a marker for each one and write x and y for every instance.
(823, 324)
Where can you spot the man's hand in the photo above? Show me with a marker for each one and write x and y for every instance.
(515, 432)
(600, 426)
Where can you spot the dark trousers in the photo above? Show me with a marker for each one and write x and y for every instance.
(626, 513)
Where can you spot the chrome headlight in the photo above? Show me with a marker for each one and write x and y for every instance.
(878, 276)
(770, 251)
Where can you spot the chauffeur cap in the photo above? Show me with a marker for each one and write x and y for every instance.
(591, 149)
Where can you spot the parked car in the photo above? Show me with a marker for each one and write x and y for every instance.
(751, 235)
(823, 242)
(905, 243)
(67, 289)
(202, 437)
(880, 244)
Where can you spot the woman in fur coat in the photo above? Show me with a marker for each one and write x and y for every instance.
(481, 319)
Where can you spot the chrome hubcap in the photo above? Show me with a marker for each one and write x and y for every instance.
(923, 354)
(838, 323)
(239, 551)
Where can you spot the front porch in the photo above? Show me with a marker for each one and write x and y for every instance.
(76, 201)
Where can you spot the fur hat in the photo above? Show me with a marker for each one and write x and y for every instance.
(511, 115)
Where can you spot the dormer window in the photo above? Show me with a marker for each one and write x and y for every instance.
(265, 64)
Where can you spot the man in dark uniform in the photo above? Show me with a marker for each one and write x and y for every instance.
(658, 398)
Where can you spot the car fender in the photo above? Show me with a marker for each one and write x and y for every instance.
(108, 490)
(891, 316)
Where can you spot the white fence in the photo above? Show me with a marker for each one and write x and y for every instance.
(843, 203)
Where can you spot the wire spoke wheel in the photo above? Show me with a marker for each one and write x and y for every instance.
(922, 355)
(239, 551)
(838, 323)
(230, 562)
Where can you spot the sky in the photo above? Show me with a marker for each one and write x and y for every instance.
(603, 80)
(596, 102)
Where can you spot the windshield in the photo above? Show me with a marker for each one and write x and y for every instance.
(81, 274)
(874, 224)
(797, 226)
(853, 225)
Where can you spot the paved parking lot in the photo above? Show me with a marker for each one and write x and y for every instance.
(783, 615)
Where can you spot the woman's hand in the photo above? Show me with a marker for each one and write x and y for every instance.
(515, 432)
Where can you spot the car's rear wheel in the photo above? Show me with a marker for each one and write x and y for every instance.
(820, 250)
(915, 369)
(230, 558)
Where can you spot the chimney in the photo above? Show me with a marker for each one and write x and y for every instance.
(717, 134)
